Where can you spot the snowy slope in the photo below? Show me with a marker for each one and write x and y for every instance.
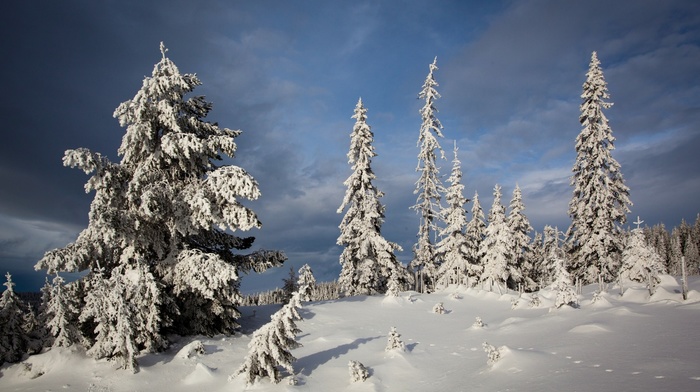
(619, 343)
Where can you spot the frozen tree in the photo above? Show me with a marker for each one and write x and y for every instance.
(394, 341)
(290, 286)
(453, 249)
(475, 235)
(271, 344)
(14, 340)
(61, 314)
(358, 371)
(428, 187)
(167, 210)
(601, 198)
(562, 286)
(439, 308)
(641, 262)
(478, 323)
(520, 228)
(306, 282)
(496, 249)
(534, 261)
(550, 251)
(368, 259)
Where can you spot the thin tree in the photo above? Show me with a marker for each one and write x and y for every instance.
(475, 235)
(368, 260)
(453, 249)
(601, 198)
(167, 210)
(428, 187)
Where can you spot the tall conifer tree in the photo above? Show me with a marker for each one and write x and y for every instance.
(158, 250)
(428, 187)
(453, 248)
(601, 198)
(520, 228)
(368, 260)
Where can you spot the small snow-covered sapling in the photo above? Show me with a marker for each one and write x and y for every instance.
(535, 300)
(438, 308)
(394, 341)
(493, 354)
(358, 371)
(478, 323)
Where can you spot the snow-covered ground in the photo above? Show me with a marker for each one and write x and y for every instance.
(619, 343)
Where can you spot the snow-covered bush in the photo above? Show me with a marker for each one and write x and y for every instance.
(358, 371)
(493, 354)
(394, 341)
(478, 323)
(196, 347)
(271, 345)
(439, 308)
(535, 301)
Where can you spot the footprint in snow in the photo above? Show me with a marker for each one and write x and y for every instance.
(660, 377)
(635, 373)
(609, 370)
(578, 361)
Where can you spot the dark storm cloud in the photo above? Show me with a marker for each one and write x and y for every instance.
(288, 75)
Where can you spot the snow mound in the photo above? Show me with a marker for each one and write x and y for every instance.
(519, 360)
(201, 373)
(196, 347)
(589, 328)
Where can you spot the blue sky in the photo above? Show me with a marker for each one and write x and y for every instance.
(288, 73)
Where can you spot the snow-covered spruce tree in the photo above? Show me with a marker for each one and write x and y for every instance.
(453, 248)
(429, 187)
(641, 262)
(496, 249)
(165, 209)
(306, 283)
(534, 260)
(475, 235)
(550, 250)
(61, 314)
(562, 285)
(368, 259)
(601, 198)
(520, 228)
(270, 346)
(13, 337)
(289, 286)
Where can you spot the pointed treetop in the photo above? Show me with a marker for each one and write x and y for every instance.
(163, 49)
(638, 222)
(9, 284)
